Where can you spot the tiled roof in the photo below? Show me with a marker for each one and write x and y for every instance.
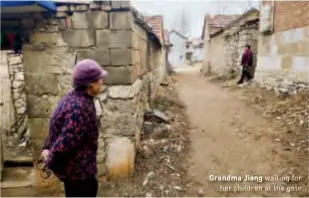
(217, 22)
(156, 23)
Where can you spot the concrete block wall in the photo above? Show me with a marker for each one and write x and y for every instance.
(283, 59)
(108, 33)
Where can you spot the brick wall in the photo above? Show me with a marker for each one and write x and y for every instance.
(291, 14)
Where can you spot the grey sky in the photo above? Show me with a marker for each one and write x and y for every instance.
(194, 10)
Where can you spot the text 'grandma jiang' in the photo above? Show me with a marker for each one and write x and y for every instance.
(248, 178)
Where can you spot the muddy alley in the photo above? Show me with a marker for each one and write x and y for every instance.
(230, 139)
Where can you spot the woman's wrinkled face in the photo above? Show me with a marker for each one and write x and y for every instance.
(96, 87)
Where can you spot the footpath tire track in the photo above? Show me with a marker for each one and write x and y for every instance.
(229, 138)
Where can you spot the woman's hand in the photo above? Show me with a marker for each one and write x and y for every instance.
(45, 154)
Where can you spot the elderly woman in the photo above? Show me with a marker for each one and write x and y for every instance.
(71, 147)
(246, 62)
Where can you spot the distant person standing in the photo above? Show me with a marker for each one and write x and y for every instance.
(70, 150)
(246, 62)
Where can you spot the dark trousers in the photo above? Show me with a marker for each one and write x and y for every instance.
(81, 188)
(245, 74)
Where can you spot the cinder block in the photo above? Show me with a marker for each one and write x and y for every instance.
(97, 20)
(121, 56)
(79, 38)
(99, 55)
(114, 38)
(79, 20)
(121, 20)
(122, 75)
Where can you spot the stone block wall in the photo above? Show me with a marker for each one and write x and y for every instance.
(16, 70)
(7, 106)
(14, 119)
(283, 60)
(223, 51)
(109, 33)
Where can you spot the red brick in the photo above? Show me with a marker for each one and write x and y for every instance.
(290, 15)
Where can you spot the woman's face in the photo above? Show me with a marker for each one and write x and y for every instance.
(95, 88)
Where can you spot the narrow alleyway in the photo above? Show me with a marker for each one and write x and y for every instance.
(228, 138)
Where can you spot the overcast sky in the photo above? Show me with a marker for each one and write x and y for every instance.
(194, 10)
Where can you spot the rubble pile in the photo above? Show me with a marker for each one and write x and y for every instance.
(161, 158)
(283, 86)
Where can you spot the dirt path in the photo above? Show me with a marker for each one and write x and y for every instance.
(228, 138)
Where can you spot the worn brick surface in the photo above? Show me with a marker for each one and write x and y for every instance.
(291, 14)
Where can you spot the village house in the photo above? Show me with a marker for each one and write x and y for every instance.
(283, 48)
(55, 36)
(225, 38)
(177, 56)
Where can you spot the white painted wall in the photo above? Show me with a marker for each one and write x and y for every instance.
(177, 52)
(274, 51)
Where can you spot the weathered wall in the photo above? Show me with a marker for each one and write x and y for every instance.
(226, 48)
(283, 59)
(177, 52)
(14, 118)
(206, 58)
(216, 54)
(118, 43)
(7, 108)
